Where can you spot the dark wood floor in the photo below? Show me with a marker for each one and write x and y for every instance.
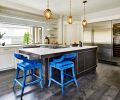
(104, 84)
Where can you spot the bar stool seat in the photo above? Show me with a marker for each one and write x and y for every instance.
(62, 64)
(27, 65)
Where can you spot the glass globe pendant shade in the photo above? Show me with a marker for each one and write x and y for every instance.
(84, 23)
(70, 19)
(48, 13)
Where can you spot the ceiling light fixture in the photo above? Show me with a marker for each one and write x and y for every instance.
(70, 16)
(84, 22)
(48, 12)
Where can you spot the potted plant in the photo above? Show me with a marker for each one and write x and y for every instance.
(1, 36)
(26, 38)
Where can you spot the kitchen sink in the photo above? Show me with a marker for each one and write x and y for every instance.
(31, 46)
(53, 46)
(45, 46)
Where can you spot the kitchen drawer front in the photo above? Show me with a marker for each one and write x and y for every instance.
(6, 50)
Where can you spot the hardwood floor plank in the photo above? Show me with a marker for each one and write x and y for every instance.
(111, 93)
(99, 92)
(102, 85)
(117, 96)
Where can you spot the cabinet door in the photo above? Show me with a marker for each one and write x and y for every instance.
(80, 66)
(89, 58)
(68, 33)
(7, 60)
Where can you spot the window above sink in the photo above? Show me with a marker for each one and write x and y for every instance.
(14, 34)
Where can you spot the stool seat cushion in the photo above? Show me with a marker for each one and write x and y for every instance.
(62, 65)
(25, 65)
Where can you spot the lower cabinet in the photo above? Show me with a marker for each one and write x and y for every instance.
(80, 66)
(7, 59)
(87, 59)
(90, 59)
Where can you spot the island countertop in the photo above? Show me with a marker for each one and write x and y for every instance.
(46, 51)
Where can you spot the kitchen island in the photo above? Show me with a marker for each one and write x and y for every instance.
(86, 59)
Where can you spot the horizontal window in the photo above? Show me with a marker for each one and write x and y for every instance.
(14, 34)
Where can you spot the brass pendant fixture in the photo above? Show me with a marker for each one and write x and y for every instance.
(48, 12)
(84, 22)
(70, 20)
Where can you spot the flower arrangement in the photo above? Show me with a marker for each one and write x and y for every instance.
(1, 35)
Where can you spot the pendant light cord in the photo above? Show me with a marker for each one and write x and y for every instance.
(70, 7)
(47, 3)
(84, 10)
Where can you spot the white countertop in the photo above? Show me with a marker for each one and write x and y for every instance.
(46, 51)
(21, 45)
(10, 46)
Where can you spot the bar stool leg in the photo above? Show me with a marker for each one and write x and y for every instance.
(17, 76)
(73, 72)
(50, 76)
(24, 82)
(62, 82)
(17, 73)
(32, 76)
(40, 75)
(14, 83)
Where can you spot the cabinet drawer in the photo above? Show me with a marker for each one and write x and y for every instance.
(6, 50)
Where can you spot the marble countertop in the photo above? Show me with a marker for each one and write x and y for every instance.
(46, 51)
(10, 46)
(21, 45)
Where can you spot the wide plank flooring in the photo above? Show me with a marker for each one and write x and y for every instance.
(103, 84)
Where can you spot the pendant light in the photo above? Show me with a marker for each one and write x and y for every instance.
(70, 16)
(48, 12)
(84, 22)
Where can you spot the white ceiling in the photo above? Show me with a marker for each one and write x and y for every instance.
(61, 7)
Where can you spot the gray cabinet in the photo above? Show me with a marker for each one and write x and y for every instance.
(87, 60)
(80, 67)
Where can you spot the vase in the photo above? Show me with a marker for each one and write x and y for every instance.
(0, 41)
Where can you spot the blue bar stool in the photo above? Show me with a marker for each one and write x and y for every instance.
(27, 65)
(62, 64)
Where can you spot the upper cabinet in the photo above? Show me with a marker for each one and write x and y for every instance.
(71, 33)
(101, 31)
(87, 34)
(96, 33)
